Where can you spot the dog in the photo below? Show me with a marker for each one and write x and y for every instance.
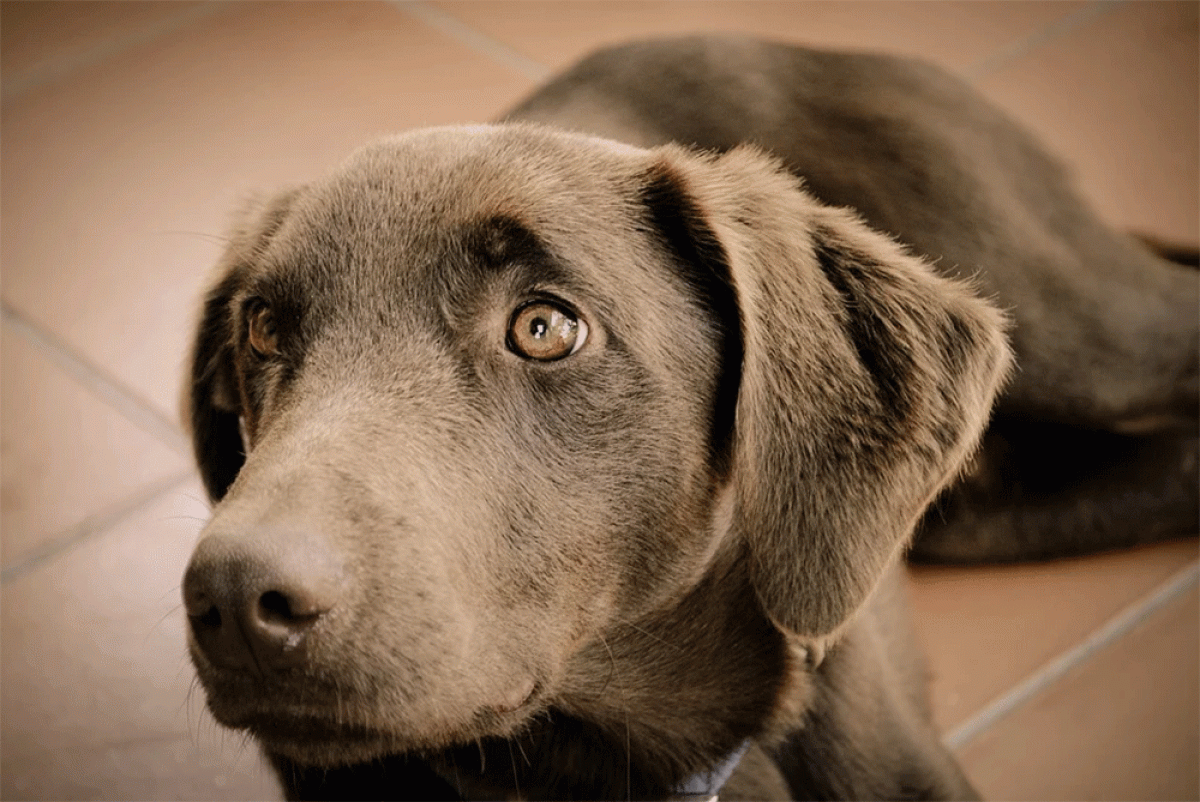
(577, 455)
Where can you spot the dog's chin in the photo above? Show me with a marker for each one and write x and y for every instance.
(325, 745)
(330, 739)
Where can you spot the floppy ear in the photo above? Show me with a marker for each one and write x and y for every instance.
(212, 401)
(866, 379)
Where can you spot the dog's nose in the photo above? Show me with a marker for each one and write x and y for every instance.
(253, 604)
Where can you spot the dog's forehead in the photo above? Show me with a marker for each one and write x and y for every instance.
(439, 176)
(411, 207)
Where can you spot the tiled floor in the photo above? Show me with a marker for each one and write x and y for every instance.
(129, 131)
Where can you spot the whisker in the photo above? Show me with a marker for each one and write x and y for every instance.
(243, 748)
(342, 710)
(214, 238)
(625, 714)
(612, 664)
(454, 768)
(186, 707)
(652, 636)
(154, 627)
(182, 517)
(628, 758)
(203, 502)
(513, 760)
(524, 756)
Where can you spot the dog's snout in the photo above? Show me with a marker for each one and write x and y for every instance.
(253, 606)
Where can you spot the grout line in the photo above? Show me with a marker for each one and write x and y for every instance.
(92, 525)
(476, 40)
(1039, 38)
(141, 413)
(1044, 677)
(54, 69)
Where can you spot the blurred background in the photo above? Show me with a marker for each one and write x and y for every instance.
(130, 130)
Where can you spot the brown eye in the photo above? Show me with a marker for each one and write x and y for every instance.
(544, 331)
(260, 327)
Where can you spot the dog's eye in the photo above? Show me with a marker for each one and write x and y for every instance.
(260, 330)
(545, 331)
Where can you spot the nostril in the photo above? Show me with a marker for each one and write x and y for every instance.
(284, 621)
(199, 604)
(281, 609)
(210, 619)
(274, 605)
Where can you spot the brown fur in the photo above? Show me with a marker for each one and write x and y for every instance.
(438, 568)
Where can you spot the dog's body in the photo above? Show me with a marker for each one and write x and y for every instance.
(569, 468)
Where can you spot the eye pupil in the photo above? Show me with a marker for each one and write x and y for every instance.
(544, 331)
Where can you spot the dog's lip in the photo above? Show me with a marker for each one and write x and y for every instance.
(313, 727)
(282, 727)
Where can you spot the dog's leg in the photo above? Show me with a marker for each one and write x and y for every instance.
(819, 764)
(1039, 491)
(868, 733)
(1115, 346)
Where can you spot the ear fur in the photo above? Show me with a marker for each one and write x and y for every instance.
(866, 382)
(212, 405)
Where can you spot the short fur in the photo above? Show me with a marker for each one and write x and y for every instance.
(440, 569)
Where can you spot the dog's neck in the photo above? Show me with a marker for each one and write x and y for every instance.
(654, 705)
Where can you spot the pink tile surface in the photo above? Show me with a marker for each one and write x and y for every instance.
(96, 691)
(987, 628)
(957, 34)
(1122, 726)
(1120, 100)
(119, 184)
(43, 40)
(66, 456)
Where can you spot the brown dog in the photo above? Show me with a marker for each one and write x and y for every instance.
(555, 467)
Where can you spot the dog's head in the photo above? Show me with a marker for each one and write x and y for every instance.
(486, 395)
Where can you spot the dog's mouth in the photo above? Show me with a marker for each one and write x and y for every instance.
(341, 732)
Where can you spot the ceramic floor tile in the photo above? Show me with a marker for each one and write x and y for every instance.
(987, 628)
(42, 41)
(97, 698)
(66, 456)
(958, 34)
(1122, 726)
(119, 183)
(1120, 101)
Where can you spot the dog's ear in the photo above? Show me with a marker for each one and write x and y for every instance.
(212, 401)
(865, 381)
